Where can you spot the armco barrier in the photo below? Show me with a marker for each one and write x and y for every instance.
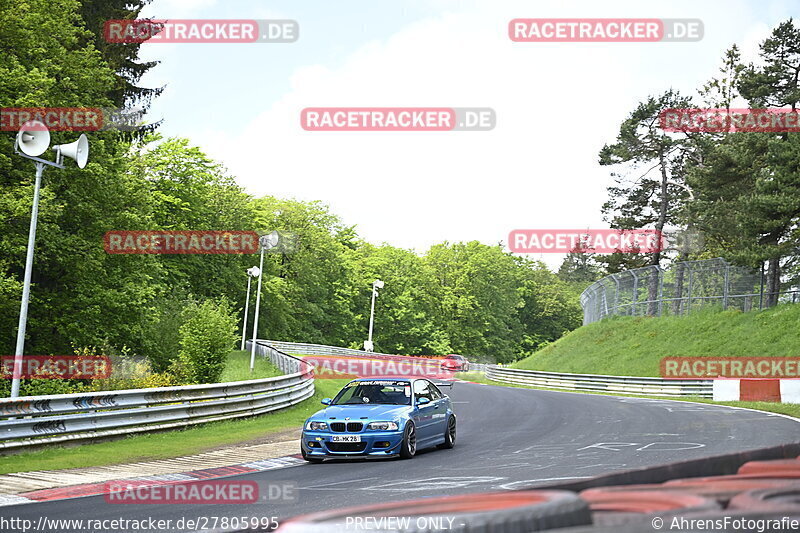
(35, 420)
(321, 349)
(600, 383)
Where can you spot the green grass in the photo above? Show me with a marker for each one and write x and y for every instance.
(178, 443)
(633, 346)
(238, 367)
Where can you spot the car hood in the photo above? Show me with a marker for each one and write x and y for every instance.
(355, 412)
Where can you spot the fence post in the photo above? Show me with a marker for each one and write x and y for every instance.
(635, 291)
(761, 289)
(726, 288)
(689, 295)
(660, 274)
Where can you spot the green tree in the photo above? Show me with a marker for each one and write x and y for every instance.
(748, 188)
(406, 309)
(651, 190)
(480, 298)
(48, 60)
(579, 265)
(550, 306)
(207, 337)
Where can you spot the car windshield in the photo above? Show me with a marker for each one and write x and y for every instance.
(374, 392)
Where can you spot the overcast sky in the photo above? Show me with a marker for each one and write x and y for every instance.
(556, 105)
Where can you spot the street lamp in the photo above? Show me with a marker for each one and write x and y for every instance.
(252, 272)
(377, 284)
(32, 141)
(266, 242)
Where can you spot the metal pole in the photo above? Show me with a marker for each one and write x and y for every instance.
(26, 285)
(246, 306)
(726, 288)
(255, 320)
(761, 289)
(372, 313)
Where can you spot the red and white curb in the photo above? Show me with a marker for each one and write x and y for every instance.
(755, 390)
(95, 489)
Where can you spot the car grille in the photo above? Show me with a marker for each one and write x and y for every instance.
(347, 446)
(352, 427)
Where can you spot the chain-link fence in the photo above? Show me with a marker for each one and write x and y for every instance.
(683, 287)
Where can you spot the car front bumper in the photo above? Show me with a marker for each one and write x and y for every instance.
(373, 444)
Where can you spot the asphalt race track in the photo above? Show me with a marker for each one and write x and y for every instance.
(508, 438)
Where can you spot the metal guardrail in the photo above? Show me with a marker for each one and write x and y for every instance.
(601, 383)
(477, 367)
(35, 420)
(322, 349)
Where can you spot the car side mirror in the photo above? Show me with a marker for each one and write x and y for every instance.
(326, 401)
(422, 401)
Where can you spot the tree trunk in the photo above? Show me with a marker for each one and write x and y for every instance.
(652, 282)
(679, 272)
(773, 282)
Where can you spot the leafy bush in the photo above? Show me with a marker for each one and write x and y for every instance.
(207, 337)
(162, 340)
(133, 373)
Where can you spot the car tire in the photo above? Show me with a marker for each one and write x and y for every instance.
(312, 460)
(449, 434)
(408, 448)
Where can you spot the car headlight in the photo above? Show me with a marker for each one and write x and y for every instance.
(383, 426)
(313, 425)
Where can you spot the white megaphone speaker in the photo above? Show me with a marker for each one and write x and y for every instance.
(33, 138)
(78, 150)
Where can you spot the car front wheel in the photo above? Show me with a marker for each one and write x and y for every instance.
(409, 446)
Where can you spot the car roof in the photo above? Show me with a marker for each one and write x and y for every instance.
(404, 380)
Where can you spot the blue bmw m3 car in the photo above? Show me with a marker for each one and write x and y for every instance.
(380, 418)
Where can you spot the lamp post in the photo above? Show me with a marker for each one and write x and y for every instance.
(251, 273)
(377, 284)
(32, 141)
(266, 242)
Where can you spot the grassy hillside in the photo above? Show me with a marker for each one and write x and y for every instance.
(633, 346)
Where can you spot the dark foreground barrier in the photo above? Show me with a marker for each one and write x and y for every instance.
(757, 490)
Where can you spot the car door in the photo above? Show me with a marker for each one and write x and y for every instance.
(424, 413)
(441, 403)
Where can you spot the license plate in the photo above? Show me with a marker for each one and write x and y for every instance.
(345, 438)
